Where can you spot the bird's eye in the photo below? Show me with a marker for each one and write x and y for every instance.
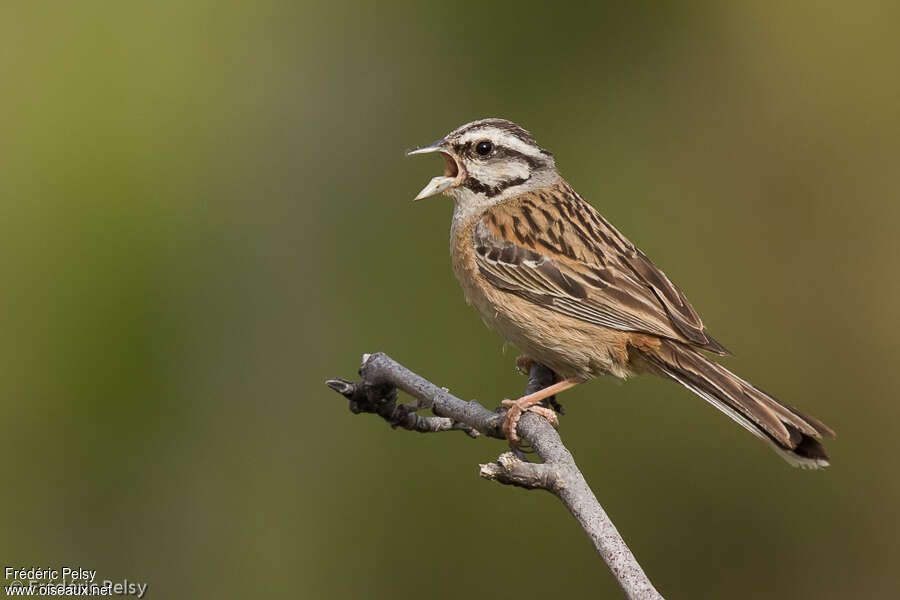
(484, 148)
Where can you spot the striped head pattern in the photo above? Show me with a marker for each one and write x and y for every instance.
(487, 161)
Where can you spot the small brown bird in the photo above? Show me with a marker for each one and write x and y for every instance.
(548, 272)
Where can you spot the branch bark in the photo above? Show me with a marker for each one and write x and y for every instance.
(558, 473)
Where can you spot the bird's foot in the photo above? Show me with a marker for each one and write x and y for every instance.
(514, 411)
(515, 408)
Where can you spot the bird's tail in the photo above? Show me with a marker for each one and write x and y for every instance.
(790, 433)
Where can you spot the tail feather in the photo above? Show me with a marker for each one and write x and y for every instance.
(793, 435)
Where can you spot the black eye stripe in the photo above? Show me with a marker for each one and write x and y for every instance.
(499, 151)
(504, 152)
(462, 149)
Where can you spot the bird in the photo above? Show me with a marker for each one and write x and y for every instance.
(548, 272)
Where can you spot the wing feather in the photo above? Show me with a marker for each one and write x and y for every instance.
(554, 249)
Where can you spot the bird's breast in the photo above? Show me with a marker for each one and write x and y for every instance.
(462, 258)
(570, 347)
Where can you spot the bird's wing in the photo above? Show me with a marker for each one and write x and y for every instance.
(554, 249)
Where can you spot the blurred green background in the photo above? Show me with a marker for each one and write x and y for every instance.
(206, 213)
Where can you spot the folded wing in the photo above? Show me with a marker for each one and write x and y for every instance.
(553, 248)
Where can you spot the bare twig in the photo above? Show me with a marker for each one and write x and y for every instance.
(558, 474)
(382, 400)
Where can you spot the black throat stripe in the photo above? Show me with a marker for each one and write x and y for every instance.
(491, 191)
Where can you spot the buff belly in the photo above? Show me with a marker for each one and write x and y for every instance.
(570, 347)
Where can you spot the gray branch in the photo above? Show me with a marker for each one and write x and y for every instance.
(558, 473)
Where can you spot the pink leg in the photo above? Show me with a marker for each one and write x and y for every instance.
(515, 408)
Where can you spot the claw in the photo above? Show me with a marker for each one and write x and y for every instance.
(547, 413)
(514, 412)
(515, 408)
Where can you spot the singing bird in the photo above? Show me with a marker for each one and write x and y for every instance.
(554, 278)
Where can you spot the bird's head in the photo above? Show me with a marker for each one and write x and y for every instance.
(489, 160)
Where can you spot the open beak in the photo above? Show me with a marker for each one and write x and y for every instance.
(442, 182)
